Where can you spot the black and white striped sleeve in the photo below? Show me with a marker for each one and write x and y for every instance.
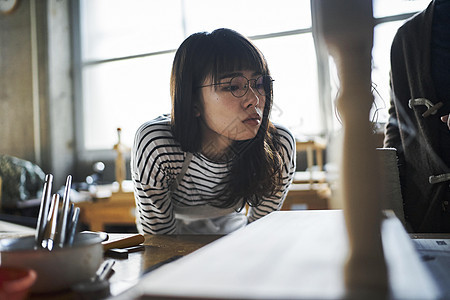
(155, 162)
(275, 202)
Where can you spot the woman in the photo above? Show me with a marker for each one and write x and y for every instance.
(195, 171)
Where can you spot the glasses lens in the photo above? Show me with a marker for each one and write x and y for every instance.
(264, 85)
(238, 86)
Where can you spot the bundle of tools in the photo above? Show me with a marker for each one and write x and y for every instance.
(57, 219)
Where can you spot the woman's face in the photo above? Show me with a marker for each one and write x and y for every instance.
(225, 117)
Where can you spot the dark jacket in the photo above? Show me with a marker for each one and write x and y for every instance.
(416, 137)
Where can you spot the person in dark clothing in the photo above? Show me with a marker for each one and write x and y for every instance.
(418, 124)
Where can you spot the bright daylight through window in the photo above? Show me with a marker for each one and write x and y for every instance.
(126, 52)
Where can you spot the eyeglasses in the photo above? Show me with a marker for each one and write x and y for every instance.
(238, 85)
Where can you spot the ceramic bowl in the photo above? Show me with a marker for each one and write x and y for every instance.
(58, 269)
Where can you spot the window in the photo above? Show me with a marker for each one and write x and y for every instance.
(390, 15)
(124, 51)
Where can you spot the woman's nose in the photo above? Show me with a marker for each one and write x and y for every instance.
(251, 98)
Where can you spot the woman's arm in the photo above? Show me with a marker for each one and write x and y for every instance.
(152, 172)
(154, 210)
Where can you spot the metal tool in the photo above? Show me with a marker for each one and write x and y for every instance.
(50, 232)
(62, 226)
(98, 286)
(73, 226)
(57, 223)
(43, 210)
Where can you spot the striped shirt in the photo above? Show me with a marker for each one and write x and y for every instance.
(156, 161)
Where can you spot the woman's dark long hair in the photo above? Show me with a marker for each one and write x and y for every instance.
(256, 170)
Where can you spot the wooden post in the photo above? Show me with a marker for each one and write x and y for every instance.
(346, 27)
(120, 160)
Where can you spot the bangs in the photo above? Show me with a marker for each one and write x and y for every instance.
(233, 54)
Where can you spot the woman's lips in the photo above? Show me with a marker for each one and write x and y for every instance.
(253, 120)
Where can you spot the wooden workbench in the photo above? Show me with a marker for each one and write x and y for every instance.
(287, 255)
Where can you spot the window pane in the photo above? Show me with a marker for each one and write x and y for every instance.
(126, 93)
(116, 28)
(123, 94)
(248, 17)
(296, 102)
(383, 36)
(383, 8)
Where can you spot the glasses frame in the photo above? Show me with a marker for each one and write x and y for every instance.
(248, 85)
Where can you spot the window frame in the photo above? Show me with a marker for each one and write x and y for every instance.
(325, 96)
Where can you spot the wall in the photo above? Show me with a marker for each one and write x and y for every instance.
(36, 103)
(16, 88)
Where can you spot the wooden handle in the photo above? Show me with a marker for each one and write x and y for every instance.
(347, 30)
(130, 241)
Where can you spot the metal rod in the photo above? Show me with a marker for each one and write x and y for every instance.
(43, 210)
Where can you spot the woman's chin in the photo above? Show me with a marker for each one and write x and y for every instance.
(246, 136)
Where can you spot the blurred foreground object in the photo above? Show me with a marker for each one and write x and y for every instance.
(15, 283)
(346, 28)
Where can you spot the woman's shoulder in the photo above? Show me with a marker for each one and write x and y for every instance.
(156, 131)
(162, 122)
(158, 126)
(285, 134)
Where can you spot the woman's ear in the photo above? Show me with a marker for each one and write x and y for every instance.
(198, 107)
(197, 111)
